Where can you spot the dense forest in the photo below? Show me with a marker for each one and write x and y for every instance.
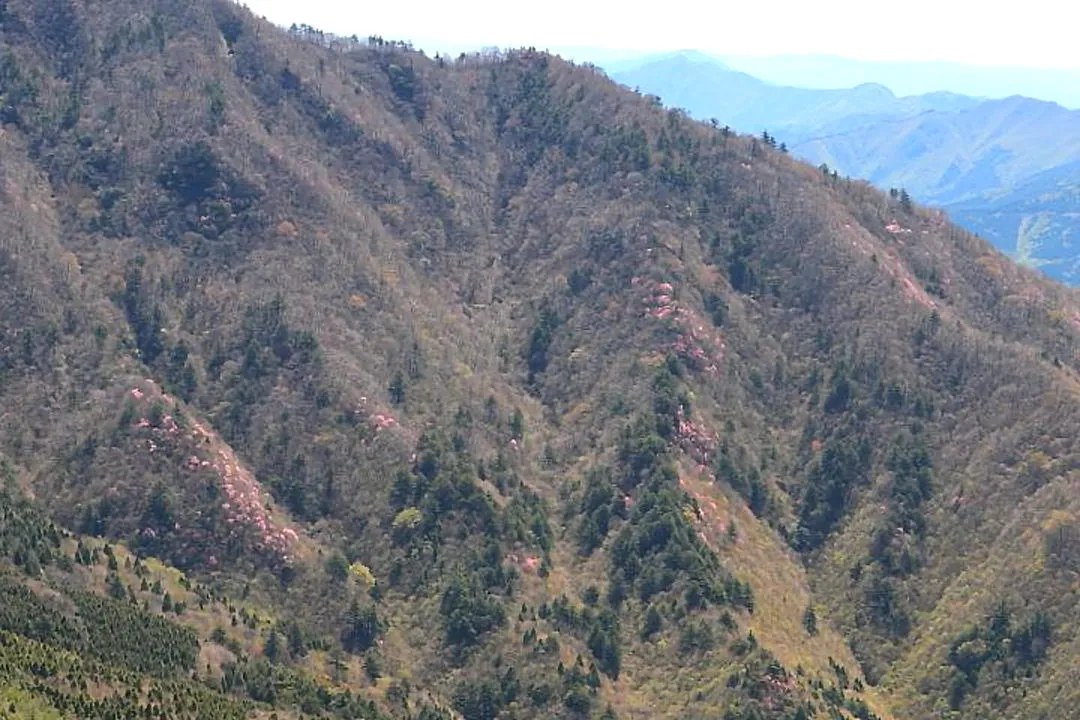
(338, 380)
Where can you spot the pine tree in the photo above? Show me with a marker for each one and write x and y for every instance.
(810, 620)
(295, 637)
(116, 587)
(272, 647)
(397, 389)
(905, 201)
(361, 628)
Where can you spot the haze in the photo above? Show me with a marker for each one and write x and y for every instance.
(964, 32)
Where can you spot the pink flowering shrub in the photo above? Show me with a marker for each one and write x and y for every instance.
(696, 342)
(698, 443)
(243, 513)
(376, 421)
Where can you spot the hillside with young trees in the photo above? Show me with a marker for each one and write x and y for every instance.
(341, 381)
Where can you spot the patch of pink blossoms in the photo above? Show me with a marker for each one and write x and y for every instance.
(377, 420)
(696, 342)
(698, 443)
(245, 506)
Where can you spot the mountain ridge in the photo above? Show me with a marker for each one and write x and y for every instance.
(577, 407)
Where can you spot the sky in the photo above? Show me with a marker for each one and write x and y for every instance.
(1035, 33)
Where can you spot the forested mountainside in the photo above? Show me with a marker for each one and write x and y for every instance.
(341, 381)
(1005, 169)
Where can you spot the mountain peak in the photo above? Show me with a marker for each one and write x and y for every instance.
(697, 56)
(873, 90)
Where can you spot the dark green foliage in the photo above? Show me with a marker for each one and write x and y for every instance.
(695, 637)
(27, 663)
(26, 538)
(469, 612)
(179, 375)
(579, 280)
(372, 668)
(1013, 650)
(115, 587)
(121, 635)
(598, 507)
(229, 23)
(716, 307)
(442, 486)
(536, 354)
(192, 174)
(653, 623)
(656, 549)
(577, 689)
(24, 613)
(517, 425)
(896, 543)
(742, 271)
(832, 479)
(20, 92)
(598, 628)
(402, 82)
(841, 392)
(396, 389)
(106, 629)
(215, 114)
(747, 483)
(883, 603)
(479, 700)
(627, 148)
(905, 201)
(525, 520)
(1061, 544)
(59, 26)
(272, 649)
(337, 567)
(526, 97)
(362, 628)
(143, 315)
(279, 686)
(268, 342)
(603, 643)
(268, 350)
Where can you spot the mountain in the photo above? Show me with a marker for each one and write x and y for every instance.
(965, 155)
(956, 156)
(709, 89)
(1057, 85)
(341, 381)
(1041, 214)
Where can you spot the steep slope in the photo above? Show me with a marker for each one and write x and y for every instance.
(976, 159)
(507, 391)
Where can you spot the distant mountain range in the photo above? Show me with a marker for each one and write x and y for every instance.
(1008, 169)
(1060, 85)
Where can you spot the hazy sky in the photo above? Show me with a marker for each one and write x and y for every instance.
(1033, 33)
